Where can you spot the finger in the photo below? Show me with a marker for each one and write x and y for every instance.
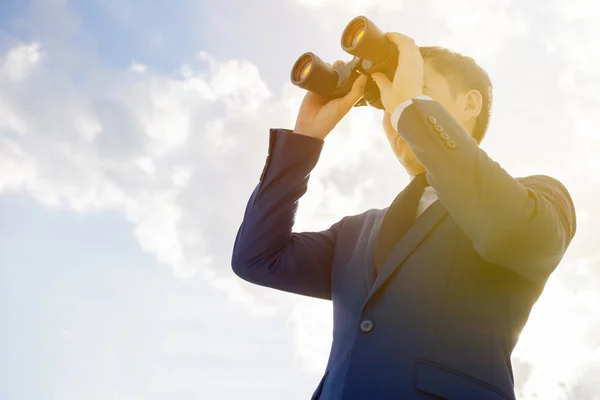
(406, 46)
(355, 94)
(380, 80)
(387, 124)
(336, 64)
(399, 39)
(386, 118)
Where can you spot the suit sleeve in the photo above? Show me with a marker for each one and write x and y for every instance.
(266, 252)
(523, 224)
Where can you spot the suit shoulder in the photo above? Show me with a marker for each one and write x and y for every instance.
(544, 183)
(363, 217)
(368, 213)
(557, 193)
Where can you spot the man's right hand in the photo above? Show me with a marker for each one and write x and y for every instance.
(318, 115)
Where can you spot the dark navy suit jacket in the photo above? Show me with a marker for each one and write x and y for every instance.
(444, 314)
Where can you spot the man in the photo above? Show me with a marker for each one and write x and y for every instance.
(434, 309)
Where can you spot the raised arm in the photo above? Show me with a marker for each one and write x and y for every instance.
(524, 224)
(266, 252)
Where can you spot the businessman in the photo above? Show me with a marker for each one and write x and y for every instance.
(430, 294)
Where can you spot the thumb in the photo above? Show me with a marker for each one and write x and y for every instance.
(355, 94)
(359, 86)
(380, 79)
(398, 39)
(387, 122)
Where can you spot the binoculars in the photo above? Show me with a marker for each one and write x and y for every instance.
(372, 52)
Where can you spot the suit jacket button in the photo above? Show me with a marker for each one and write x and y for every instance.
(444, 136)
(432, 120)
(450, 144)
(366, 325)
(438, 128)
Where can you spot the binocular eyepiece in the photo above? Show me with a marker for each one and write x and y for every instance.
(372, 52)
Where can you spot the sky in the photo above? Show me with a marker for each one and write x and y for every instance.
(132, 134)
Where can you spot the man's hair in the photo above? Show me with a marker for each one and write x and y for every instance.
(463, 74)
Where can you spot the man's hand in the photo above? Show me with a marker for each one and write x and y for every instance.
(318, 115)
(408, 79)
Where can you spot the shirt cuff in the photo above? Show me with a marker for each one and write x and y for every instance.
(395, 117)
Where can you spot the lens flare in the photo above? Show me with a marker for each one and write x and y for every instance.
(358, 35)
(305, 70)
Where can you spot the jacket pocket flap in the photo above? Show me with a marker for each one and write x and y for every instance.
(450, 384)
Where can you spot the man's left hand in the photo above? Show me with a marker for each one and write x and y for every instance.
(408, 79)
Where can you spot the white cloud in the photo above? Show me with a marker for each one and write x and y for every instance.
(10, 121)
(21, 61)
(138, 144)
(137, 67)
(312, 341)
(17, 168)
(355, 6)
(479, 28)
(560, 340)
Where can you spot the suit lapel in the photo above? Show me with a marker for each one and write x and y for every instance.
(418, 232)
(369, 264)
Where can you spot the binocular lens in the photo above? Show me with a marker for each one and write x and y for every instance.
(303, 67)
(372, 52)
(311, 73)
(354, 33)
(363, 39)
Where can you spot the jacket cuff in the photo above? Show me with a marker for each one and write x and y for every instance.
(291, 151)
(395, 117)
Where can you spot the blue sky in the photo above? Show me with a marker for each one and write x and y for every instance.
(132, 134)
(86, 314)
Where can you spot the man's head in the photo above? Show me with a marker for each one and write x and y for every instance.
(458, 84)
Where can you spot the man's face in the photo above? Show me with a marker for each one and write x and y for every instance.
(436, 87)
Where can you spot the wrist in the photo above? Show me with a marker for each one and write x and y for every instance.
(309, 134)
(404, 99)
(397, 112)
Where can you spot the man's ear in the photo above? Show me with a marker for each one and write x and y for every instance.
(474, 101)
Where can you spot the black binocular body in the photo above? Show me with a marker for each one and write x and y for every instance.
(372, 51)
